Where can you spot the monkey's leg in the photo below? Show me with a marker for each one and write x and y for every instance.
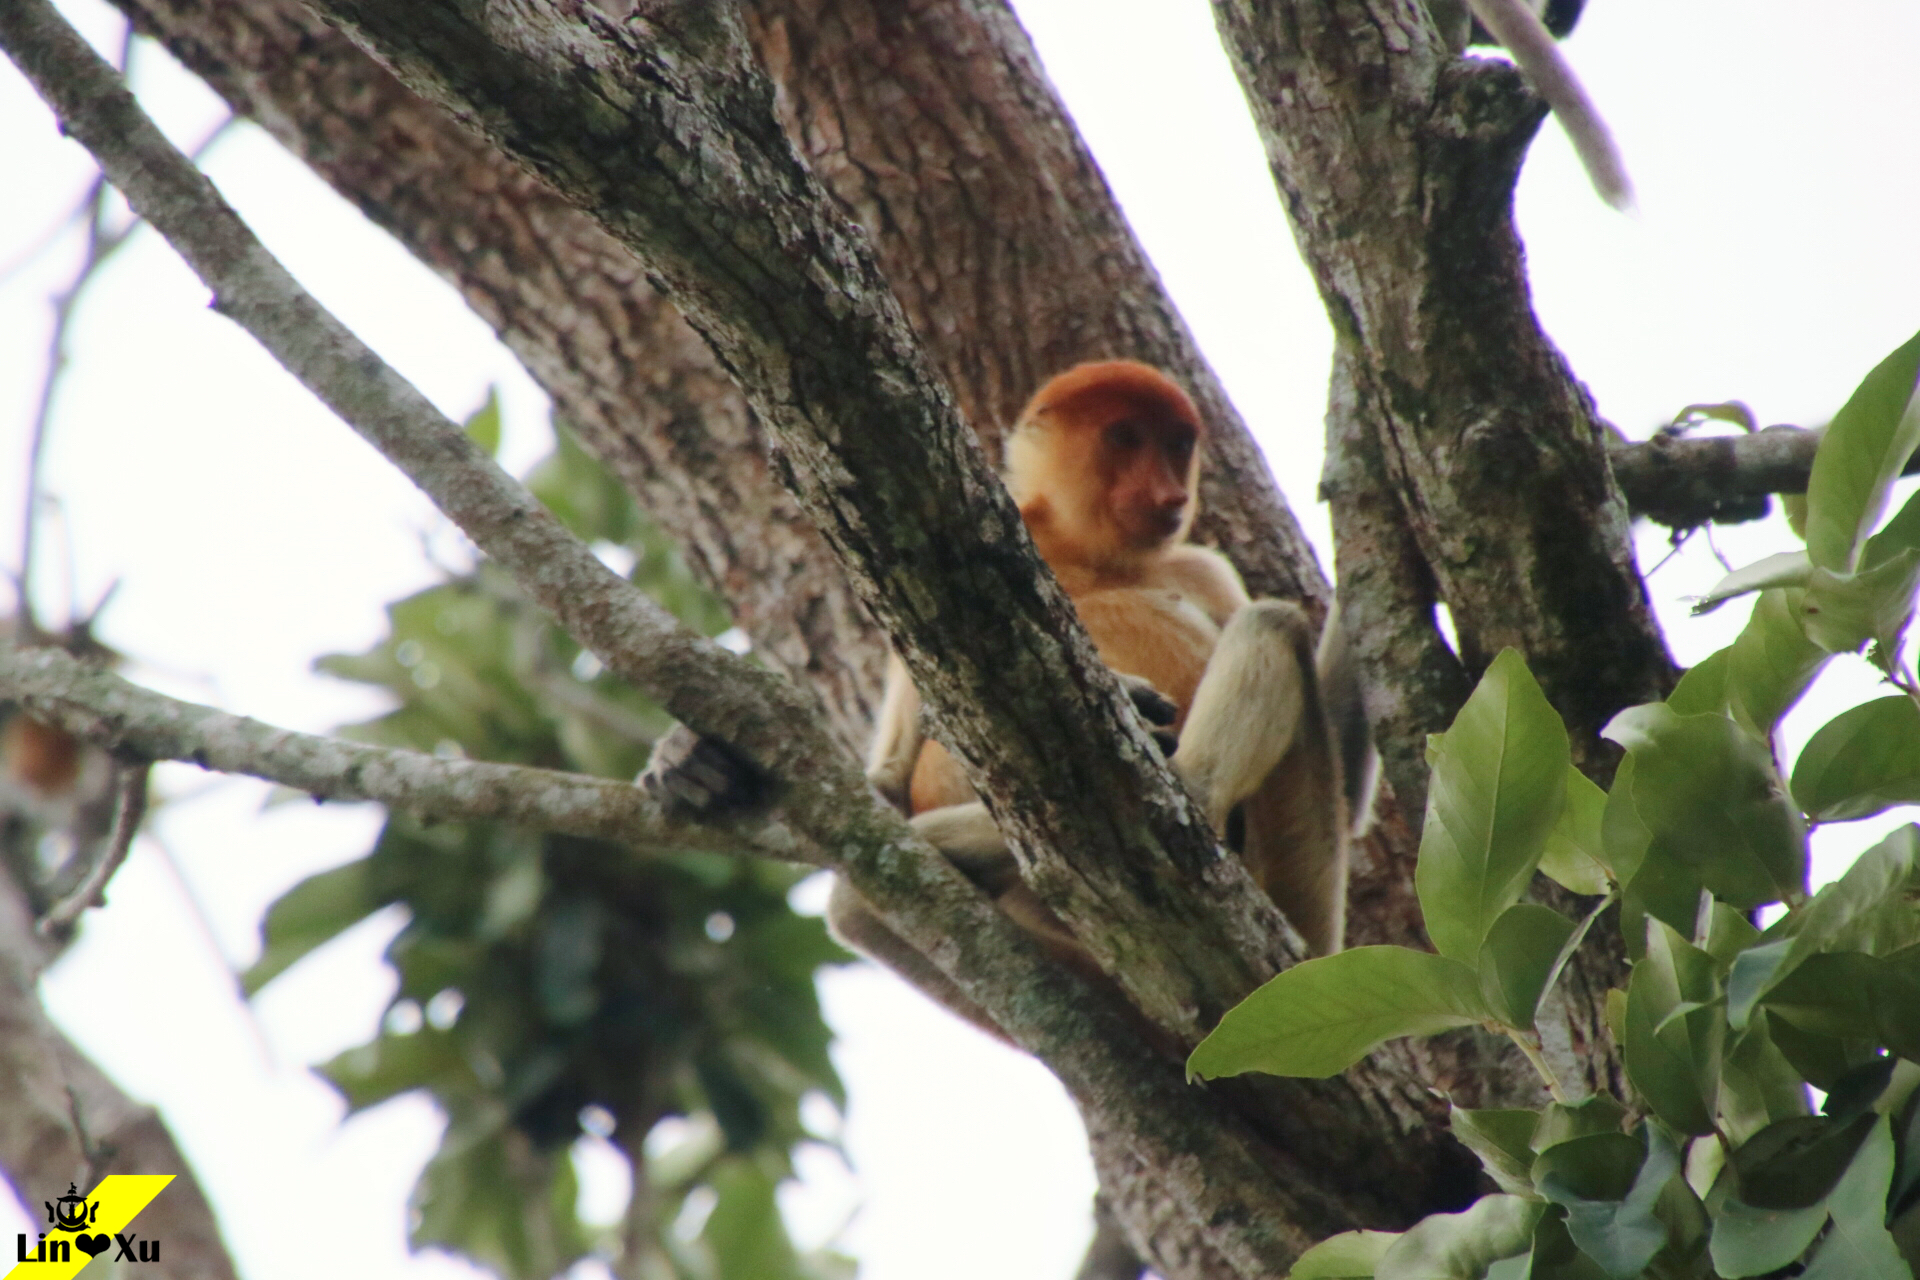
(1258, 737)
(854, 923)
(1248, 706)
(966, 834)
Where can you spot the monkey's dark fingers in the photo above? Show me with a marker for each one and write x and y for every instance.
(701, 775)
(1154, 707)
(1167, 740)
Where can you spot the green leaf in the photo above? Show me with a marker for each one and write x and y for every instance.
(1707, 794)
(1864, 450)
(1906, 1126)
(391, 1065)
(1787, 569)
(1840, 612)
(1902, 533)
(1864, 760)
(1821, 1060)
(1564, 1121)
(1503, 1141)
(744, 1232)
(1624, 836)
(1704, 686)
(1896, 1002)
(1794, 1163)
(1596, 1166)
(1351, 1255)
(1829, 994)
(1860, 1090)
(1518, 957)
(1751, 1242)
(1729, 932)
(1674, 1065)
(1498, 786)
(1771, 663)
(313, 912)
(1869, 908)
(488, 1194)
(1576, 852)
(1322, 1016)
(1757, 1084)
(483, 424)
(1621, 1233)
(1860, 1247)
(1554, 1255)
(1762, 674)
(1461, 1246)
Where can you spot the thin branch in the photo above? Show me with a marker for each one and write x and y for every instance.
(129, 807)
(1682, 482)
(697, 681)
(101, 244)
(114, 713)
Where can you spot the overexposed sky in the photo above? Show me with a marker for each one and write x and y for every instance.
(1777, 158)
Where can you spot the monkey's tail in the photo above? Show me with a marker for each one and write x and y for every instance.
(1534, 51)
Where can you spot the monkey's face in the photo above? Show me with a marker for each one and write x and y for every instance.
(1146, 466)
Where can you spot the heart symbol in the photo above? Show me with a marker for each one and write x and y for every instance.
(93, 1246)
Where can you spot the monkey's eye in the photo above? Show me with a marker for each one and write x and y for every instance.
(1123, 435)
(1180, 451)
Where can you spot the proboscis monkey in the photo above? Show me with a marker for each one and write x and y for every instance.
(1103, 463)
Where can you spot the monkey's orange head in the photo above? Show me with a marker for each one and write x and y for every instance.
(1104, 460)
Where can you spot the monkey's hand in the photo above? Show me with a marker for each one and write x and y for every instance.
(701, 776)
(1156, 709)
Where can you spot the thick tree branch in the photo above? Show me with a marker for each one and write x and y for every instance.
(64, 1121)
(1396, 161)
(108, 711)
(1682, 482)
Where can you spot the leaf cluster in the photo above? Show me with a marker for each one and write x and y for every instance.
(1718, 1164)
(551, 985)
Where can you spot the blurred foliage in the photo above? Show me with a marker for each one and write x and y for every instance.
(550, 985)
(1719, 1165)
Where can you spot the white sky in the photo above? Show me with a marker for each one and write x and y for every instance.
(1777, 158)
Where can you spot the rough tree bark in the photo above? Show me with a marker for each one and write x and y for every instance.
(1454, 421)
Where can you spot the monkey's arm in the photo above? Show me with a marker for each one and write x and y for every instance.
(1248, 707)
(1258, 738)
(1514, 24)
(897, 735)
(1204, 576)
